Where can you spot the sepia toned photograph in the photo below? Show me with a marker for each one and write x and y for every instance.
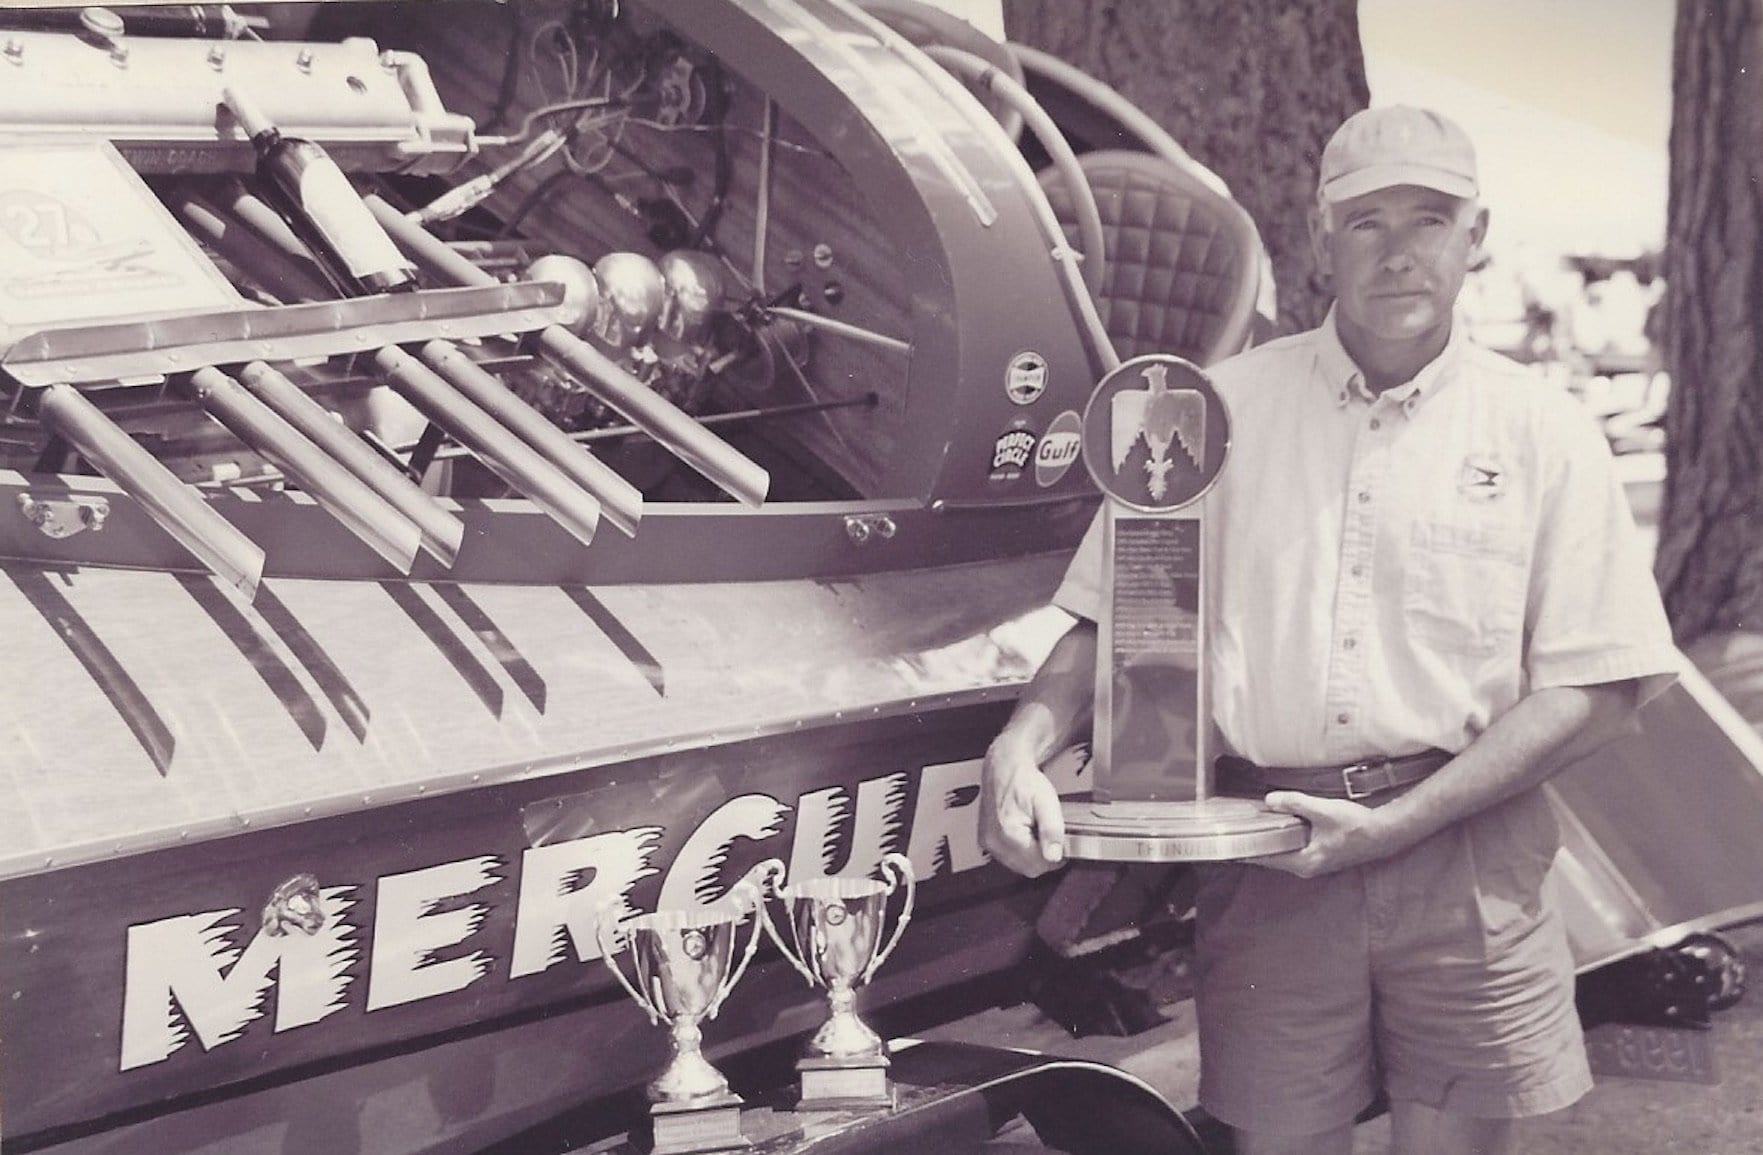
(843, 577)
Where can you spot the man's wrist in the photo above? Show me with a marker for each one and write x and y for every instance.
(1013, 744)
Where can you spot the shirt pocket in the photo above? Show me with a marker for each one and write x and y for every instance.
(1465, 585)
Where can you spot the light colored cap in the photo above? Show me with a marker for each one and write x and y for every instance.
(1381, 147)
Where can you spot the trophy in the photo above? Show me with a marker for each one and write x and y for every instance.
(685, 967)
(1154, 438)
(835, 941)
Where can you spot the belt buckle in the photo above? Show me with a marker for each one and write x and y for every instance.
(1350, 778)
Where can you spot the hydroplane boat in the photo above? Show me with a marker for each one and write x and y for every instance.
(695, 500)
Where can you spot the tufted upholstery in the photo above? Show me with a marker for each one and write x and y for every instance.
(1181, 270)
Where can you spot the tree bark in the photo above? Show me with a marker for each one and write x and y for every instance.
(1710, 556)
(1252, 88)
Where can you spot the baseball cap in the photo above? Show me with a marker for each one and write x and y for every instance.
(1394, 145)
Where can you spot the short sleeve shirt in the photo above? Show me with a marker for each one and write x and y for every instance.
(1386, 573)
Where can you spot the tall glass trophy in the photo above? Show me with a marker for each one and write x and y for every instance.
(1155, 436)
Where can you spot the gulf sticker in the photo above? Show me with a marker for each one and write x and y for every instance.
(1010, 454)
(1026, 379)
(1058, 448)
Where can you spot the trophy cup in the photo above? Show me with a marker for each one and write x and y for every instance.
(835, 941)
(1154, 438)
(685, 966)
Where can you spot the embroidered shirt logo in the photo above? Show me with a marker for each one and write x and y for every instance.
(1481, 478)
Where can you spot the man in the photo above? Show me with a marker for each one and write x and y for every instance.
(1418, 553)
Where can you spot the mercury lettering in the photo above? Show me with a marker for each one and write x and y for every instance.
(189, 976)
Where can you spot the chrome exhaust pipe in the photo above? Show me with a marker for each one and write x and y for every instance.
(362, 512)
(506, 455)
(731, 470)
(709, 454)
(179, 510)
(442, 531)
(620, 501)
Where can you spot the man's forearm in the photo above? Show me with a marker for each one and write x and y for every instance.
(1544, 733)
(1057, 703)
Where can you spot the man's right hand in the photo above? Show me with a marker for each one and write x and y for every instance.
(1020, 822)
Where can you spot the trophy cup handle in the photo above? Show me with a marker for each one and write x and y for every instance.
(763, 910)
(764, 874)
(898, 868)
(604, 929)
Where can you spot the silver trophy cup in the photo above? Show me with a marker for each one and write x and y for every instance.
(685, 964)
(835, 941)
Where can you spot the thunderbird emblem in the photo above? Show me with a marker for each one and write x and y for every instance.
(1162, 418)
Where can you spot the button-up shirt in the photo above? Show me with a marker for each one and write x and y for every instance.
(1390, 572)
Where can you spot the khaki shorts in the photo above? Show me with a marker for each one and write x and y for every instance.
(1436, 974)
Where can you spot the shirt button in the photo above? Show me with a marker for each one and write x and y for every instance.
(1350, 644)
(1364, 496)
(1358, 571)
(1342, 719)
(1376, 424)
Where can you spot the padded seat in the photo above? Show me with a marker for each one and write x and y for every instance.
(1180, 271)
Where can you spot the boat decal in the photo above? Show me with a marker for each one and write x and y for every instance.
(1026, 378)
(1058, 448)
(437, 930)
(1010, 454)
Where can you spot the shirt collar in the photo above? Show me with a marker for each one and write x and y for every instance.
(1344, 381)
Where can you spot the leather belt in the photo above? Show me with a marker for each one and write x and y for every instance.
(1243, 778)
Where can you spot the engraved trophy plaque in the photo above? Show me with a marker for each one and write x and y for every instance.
(685, 965)
(1155, 436)
(835, 940)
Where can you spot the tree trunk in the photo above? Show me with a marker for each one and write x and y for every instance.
(1252, 88)
(1710, 559)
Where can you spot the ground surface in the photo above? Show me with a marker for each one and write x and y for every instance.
(1619, 1117)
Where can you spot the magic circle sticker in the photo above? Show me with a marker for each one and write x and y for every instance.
(1155, 433)
(1011, 453)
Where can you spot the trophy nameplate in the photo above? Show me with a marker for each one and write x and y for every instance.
(1155, 436)
(693, 1128)
(842, 1084)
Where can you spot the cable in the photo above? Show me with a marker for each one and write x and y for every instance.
(545, 110)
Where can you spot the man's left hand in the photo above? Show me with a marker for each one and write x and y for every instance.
(1342, 834)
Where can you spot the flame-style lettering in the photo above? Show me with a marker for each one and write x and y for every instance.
(186, 975)
(566, 886)
(409, 934)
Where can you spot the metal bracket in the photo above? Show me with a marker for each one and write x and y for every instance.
(60, 517)
(866, 527)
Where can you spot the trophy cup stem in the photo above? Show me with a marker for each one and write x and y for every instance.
(844, 1035)
(689, 1075)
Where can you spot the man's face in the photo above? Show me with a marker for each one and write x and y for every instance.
(1398, 257)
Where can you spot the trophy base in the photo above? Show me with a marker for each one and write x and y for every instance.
(1213, 830)
(841, 1084)
(688, 1128)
